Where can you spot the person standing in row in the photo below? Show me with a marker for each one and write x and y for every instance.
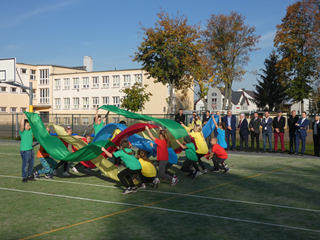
(180, 117)
(292, 120)
(301, 132)
(267, 131)
(206, 118)
(194, 113)
(254, 126)
(316, 135)
(243, 131)
(279, 123)
(230, 121)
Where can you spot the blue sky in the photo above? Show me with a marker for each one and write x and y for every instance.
(62, 32)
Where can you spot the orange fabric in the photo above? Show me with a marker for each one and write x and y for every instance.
(42, 153)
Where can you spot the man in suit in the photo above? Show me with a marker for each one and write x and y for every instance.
(279, 123)
(316, 135)
(254, 126)
(230, 121)
(292, 120)
(267, 131)
(180, 117)
(244, 132)
(301, 133)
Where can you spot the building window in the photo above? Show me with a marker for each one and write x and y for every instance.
(57, 84)
(13, 90)
(214, 101)
(76, 103)
(116, 81)
(57, 120)
(126, 80)
(44, 95)
(3, 89)
(76, 121)
(105, 81)
(57, 103)
(95, 82)
(44, 76)
(85, 102)
(23, 110)
(32, 74)
(85, 81)
(76, 83)
(214, 94)
(66, 121)
(3, 109)
(66, 103)
(13, 109)
(85, 120)
(116, 101)
(23, 70)
(34, 95)
(105, 100)
(95, 102)
(66, 83)
(138, 78)
(22, 90)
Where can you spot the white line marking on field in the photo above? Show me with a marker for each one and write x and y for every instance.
(15, 154)
(164, 209)
(293, 174)
(185, 195)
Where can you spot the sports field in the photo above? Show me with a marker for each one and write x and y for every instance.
(266, 196)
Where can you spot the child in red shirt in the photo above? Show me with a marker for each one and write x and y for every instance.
(218, 155)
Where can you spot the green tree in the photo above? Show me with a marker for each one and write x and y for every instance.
(169, 53)
(269, 90)
(135, 97)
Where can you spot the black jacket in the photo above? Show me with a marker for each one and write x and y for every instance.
(205, 119)
(318, 127)
(292, 123)
(255, 124)
(179, 118)
(281, 124)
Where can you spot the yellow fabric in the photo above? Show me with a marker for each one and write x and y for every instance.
(115, 133)
(148, 170)
(200, 142)
(188, 129)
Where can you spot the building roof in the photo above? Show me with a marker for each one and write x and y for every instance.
(97, 71)
(249, 92)
(52, 65)
(235, 98)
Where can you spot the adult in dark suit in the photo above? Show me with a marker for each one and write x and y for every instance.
(301, 133)
(244, 132)
(180, 117)
(279, 123)
(230, 121)
(266, 124)
(254, 126)
(292, 120)
(316, 135)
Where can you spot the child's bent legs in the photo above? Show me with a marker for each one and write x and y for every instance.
(145, 179)
(162, 170)
(46, 166)
(125, 177)
(200, 161)
(167, 167)
(217, 163)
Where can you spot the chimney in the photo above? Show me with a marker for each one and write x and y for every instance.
(88, 63)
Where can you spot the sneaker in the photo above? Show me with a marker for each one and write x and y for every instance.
(156, 183)
(75, 170)
(190, 173)
(87, 170)
(174, 181)
(215, 170)
(54, 173)
(36, 175)
(224, 164)
(143, 186)
(24, 180)
(204, 171)
(127, 191)
(227, 170)
(195, 174)
(49, 176)
(66, 174)
(31, 178)
(134, 190)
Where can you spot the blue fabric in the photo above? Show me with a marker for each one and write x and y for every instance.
(27, 163)
(173, 158)
(222, 138)
(209, 127)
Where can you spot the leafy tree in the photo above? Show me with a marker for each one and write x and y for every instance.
(269, 90)
(297, 42)
(170, 52)
(135, 97)
(228, 42)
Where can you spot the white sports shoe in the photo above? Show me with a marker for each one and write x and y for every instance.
(75, 170)
(204, 171)
(66, 174)
(54, 173)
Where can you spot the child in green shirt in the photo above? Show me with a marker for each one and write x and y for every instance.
(98, 123)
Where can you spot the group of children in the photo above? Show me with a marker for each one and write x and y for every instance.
(141, 166)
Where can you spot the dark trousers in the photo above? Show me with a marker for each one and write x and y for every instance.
(243, 138)
(65, 165)
(255, 136)
(162, 169)
(79, 165)
(125, 177)
(217, 162)
(200, 161)
(316, 143)
(187, 164)
(233, 138)
(145, 179)
(168, 165)
(303, 141)
(292, 137)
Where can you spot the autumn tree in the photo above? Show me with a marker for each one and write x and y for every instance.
(297, 42)
(135, 97)
(269, 90)
(169, 52)
(228, 42)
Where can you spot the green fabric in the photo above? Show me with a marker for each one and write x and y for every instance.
(26, 140)
(173, 127)
(130, 161)
(97, 127)
(191, 152)
(57, 149)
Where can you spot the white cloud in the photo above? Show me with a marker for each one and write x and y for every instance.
(266, 40)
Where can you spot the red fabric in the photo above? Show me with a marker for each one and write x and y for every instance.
(162, 150)
(64, 142)
(281, 135)
(219, 151)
